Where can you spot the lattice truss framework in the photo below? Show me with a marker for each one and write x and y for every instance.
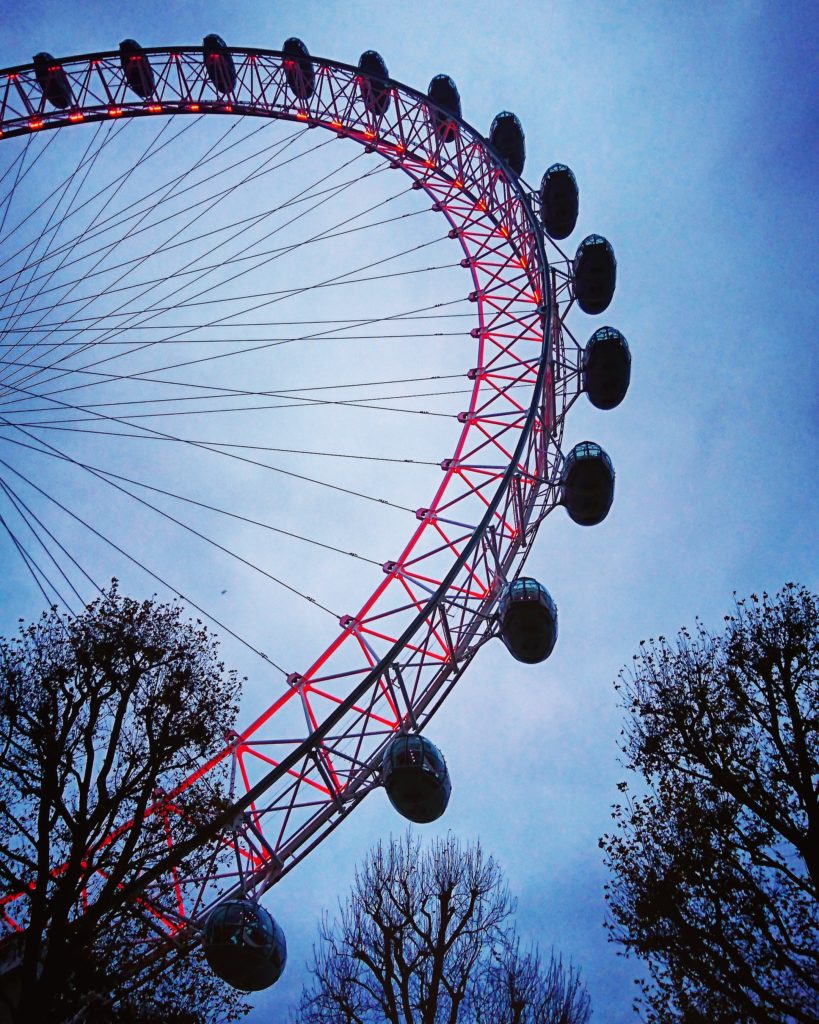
(393, 662)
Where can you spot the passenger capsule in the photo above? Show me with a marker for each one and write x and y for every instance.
(244, 946)
(298, 68)
(587, 484)
(415, 776)
(559, 201)
(507, 139)
(528, 620)
(444, 94)
(606, 368)
(219, 63)
(372, 79)
(53, 81)
(137, 68)
(595, 274)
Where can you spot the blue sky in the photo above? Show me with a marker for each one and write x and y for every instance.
(692, 130)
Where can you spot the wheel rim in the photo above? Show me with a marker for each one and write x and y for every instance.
(409, 663)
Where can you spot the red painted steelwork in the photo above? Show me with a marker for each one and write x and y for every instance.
(394, 660)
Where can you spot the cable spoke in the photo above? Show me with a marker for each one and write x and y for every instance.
(119, 267)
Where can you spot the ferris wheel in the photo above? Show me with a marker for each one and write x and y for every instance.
(216, 336)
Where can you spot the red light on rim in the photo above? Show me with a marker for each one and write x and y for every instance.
(194, 108)
(76, 117)
(155, 108)
(228, 109)
(34, 125)
(301, 115)
(369, 133)
(458, 183)
(115, 111)
(336, 124)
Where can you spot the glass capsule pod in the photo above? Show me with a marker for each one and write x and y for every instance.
(606, 368)
(416, 778)
(595, 274)
(244, 946)
(507, 138)
(444, 94)
(219, 63)
(587, 484)
(559, 201)
(53, 80)
(298, 68)
(528, 620)
(373, 77)
(137, 68)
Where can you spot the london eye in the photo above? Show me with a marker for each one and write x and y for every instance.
(294, 343)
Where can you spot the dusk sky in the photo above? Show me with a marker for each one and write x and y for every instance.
(693, 132)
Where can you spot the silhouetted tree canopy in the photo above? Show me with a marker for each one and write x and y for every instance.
(715, 857)
(100, 716)
(426, 937)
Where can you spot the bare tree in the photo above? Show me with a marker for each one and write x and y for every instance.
(715, 864)
(426, 937)
(100, 715)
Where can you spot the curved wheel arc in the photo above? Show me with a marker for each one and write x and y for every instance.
(469, 174)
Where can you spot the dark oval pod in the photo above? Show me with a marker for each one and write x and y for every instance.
(53, 81)
(137, 68)
(595, 274)
(416, 779)
(219, 63)
(507, 138)
(559, 201)
(298, 68)
(244, 945)
(373, 78)
(587, 484)
(444, 94)
(606, 368)
(528, 620)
